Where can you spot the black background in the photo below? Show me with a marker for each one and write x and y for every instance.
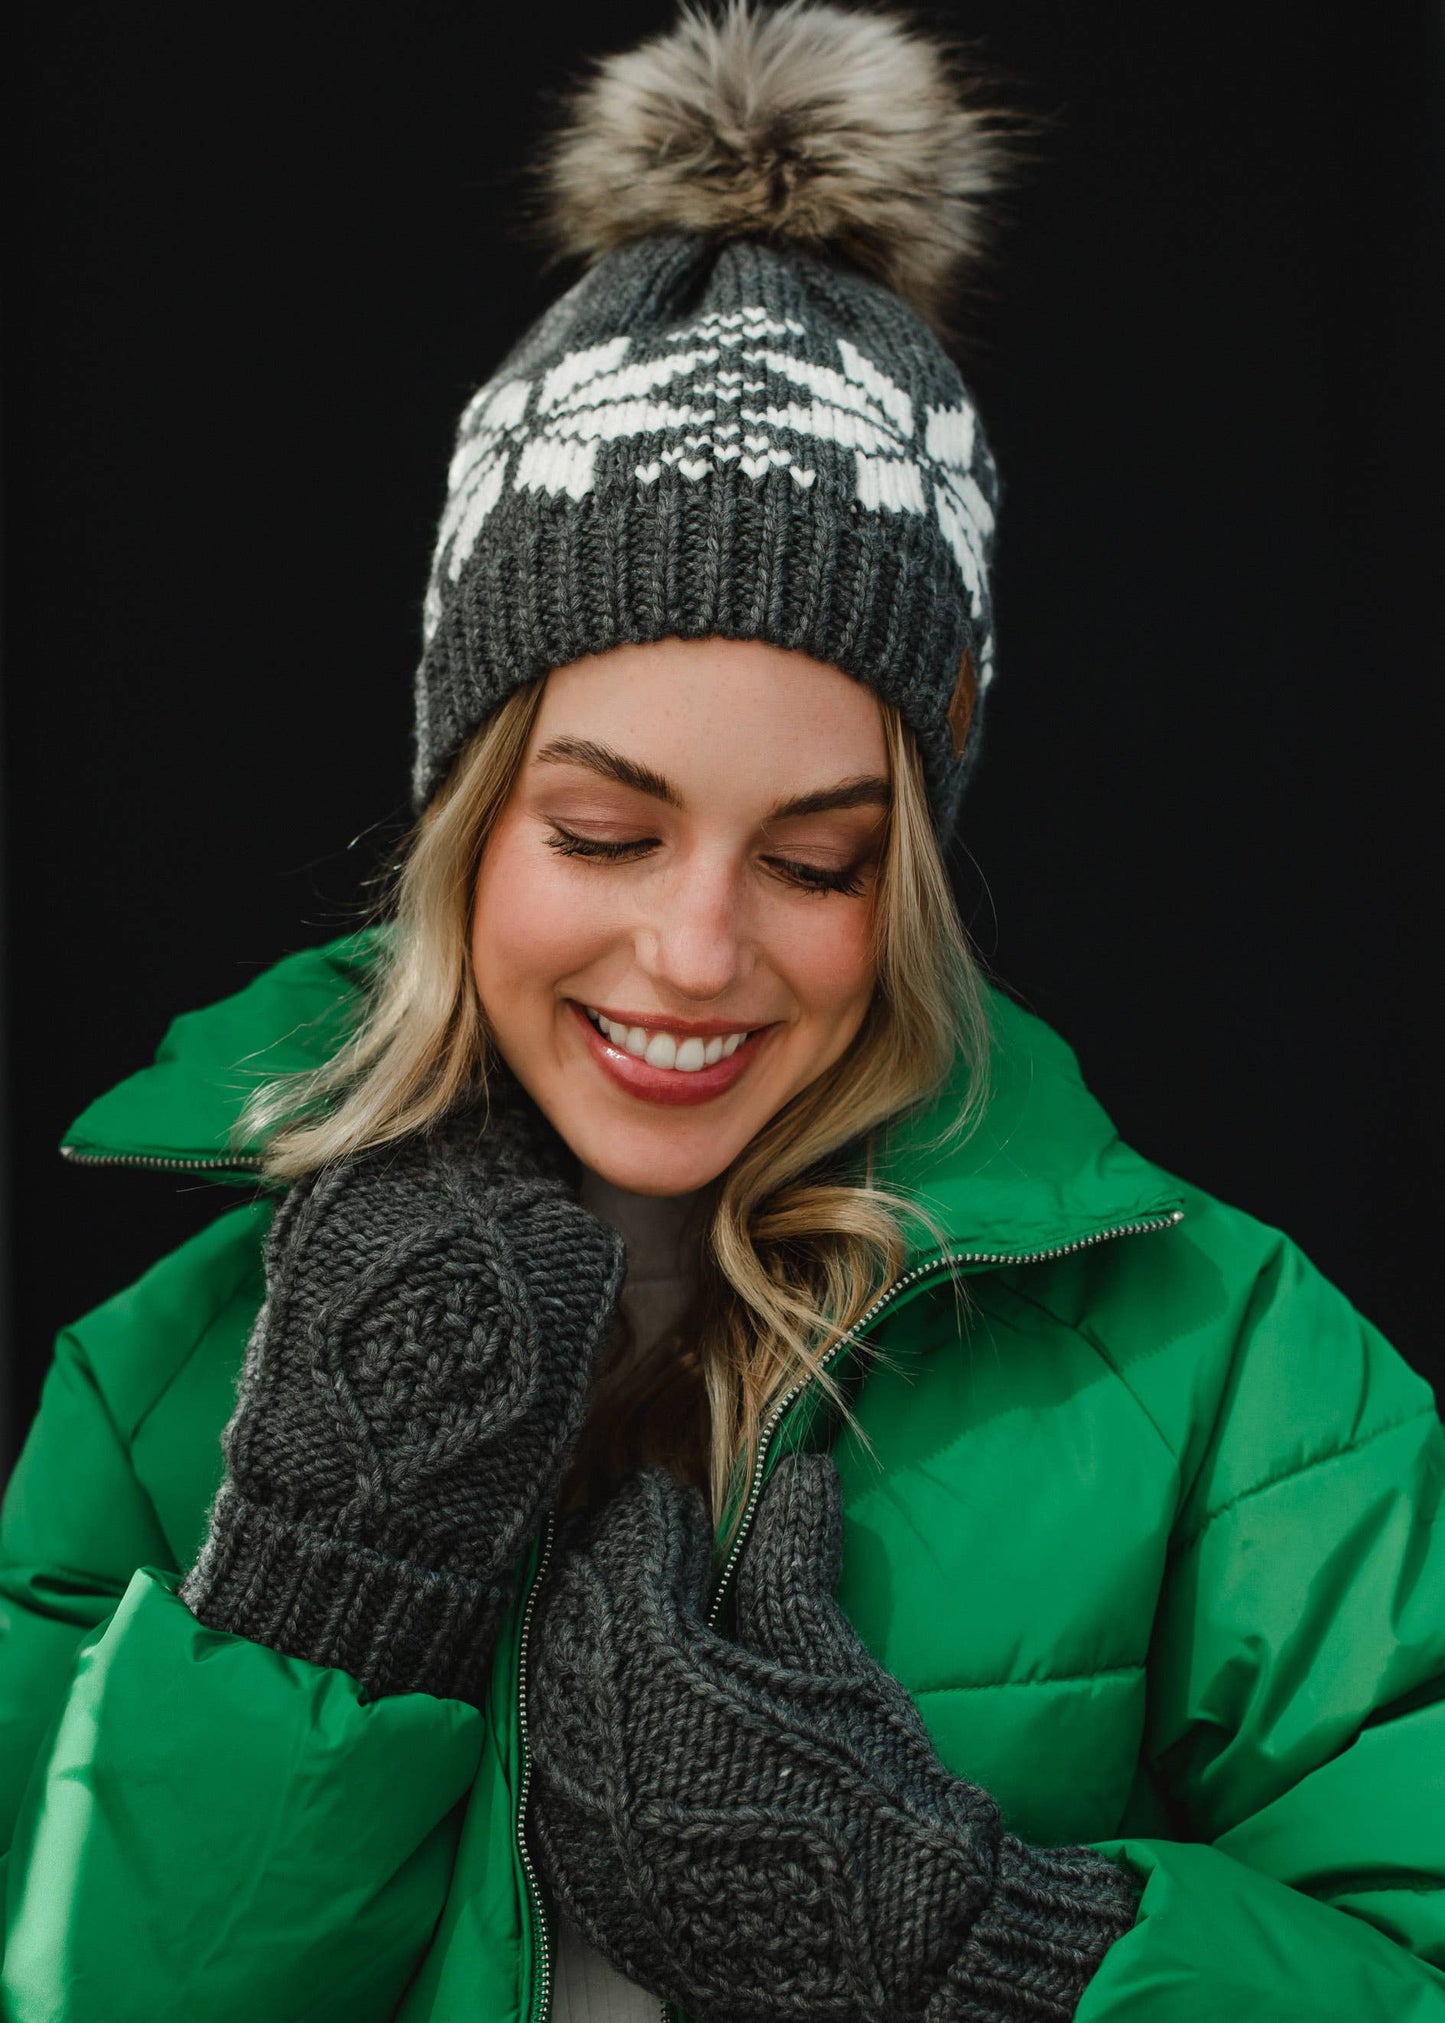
(255, 262)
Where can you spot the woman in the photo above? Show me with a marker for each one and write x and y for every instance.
(705, 1474)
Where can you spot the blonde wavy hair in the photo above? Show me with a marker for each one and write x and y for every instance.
(798, 1241)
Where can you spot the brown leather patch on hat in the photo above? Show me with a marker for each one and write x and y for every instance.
(960, 710)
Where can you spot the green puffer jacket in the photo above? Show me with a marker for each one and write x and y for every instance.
(1147, 1521)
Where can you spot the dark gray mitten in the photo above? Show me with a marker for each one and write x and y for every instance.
(413, 1388)
(763, 1828)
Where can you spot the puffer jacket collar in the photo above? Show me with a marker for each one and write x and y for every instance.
(1043, 1172)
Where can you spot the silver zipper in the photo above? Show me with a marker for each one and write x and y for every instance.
(242, 1162)
(886, 1298)
(534, 1891)
(910, 1278)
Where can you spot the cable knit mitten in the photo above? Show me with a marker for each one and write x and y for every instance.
(413, 1388)
(762, 1828)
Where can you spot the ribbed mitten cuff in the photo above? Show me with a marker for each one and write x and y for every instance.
(1038, 1941)
(396, 1627)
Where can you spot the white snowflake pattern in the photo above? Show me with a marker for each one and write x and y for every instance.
(703, 394)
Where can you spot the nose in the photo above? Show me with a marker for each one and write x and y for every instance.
(694, 939)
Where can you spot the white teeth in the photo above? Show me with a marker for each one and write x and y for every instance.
(664, 1049)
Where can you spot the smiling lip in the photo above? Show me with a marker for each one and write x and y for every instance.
(670, 1085)
(656, 1022)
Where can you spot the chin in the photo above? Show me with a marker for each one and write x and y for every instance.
(647, 1160)
(653, 1171)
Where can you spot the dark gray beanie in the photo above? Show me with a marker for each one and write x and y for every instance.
(739, 423)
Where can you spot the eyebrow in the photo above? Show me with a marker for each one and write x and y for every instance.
(864, 790)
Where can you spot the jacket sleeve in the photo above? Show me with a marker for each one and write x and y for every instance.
(1296, 1725)
(201, 1826)
(75, 1525)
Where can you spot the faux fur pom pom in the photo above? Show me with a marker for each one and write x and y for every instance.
(809, 123)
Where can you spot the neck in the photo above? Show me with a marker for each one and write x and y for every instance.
(662, 1232)
(647, 1402)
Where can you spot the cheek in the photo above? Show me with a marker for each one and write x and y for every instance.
(830, 961)
(532, 923)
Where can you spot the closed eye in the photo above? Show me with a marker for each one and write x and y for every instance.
(810, 877)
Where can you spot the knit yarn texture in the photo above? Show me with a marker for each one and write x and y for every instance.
(761, 1828)
(734, 440)
(413, 1388)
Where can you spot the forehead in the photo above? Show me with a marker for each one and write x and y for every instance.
(697, 708)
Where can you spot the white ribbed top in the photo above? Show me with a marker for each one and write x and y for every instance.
(661, 1241)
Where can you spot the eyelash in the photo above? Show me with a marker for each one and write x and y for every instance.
(807, 876)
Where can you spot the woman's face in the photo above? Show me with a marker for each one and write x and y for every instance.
(689, 854)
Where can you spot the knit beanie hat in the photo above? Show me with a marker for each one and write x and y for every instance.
(740, 422)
